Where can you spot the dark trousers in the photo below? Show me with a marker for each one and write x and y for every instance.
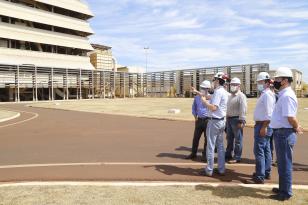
(200, 128)
(234, 139)
(262, 153)
(272, 145)
(285, 140)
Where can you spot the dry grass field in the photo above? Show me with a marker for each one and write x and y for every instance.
(154, 107)
(175, 195)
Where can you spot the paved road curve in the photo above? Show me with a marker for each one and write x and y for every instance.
(53, 145)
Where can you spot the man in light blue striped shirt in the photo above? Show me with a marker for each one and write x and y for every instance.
(216, 125)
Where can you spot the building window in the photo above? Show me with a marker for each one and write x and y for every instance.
(4, 19)
(3, 43)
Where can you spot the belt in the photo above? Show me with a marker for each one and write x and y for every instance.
(276, 129)
(214, 118)
(260, 122)
(233, 117)
(203, 118)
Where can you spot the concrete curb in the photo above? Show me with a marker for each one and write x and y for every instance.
(10, 118)
(144, 184)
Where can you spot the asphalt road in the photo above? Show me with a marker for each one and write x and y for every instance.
(57, 145)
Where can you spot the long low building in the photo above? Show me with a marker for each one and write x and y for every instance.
(26, 83)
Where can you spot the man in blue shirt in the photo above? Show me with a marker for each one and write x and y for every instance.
(200, 113)
(286, 128)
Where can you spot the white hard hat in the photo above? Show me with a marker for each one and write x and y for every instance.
(205, 84)
(284, 72)
(221, 75)
(263, 76)
(235, 81)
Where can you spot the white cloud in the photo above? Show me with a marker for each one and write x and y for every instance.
(207, 39)
(184, 23)
(289, 33)
(171, 13)
(157, 3)
(202, 33)
(287, 13)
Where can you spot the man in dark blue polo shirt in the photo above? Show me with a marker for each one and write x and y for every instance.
(200, 112)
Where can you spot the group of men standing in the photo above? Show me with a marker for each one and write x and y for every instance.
(217, 111)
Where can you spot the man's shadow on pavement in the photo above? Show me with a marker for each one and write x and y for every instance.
(300, 167)
(235, 192)
(187, 149)
(179, 156)
(231, 175)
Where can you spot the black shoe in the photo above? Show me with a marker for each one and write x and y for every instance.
(254, 181)
(280, 197)
(218, 173)
(203, 159)
(191, 156)
(203, 173)
(275, 190)
(227, 158)
(267, 177)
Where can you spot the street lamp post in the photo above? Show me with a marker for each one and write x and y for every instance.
(146, 49)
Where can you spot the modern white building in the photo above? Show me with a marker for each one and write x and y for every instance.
(102, 58)
(45, 33)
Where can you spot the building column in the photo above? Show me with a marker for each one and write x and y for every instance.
(179, 82)
(80, 86)
(35, 78)
(124, 86)
(52, 86)
(104, 84)
(18, 86)
(93, 90)
(247, 75)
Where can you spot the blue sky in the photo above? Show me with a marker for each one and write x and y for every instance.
(200, 33)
